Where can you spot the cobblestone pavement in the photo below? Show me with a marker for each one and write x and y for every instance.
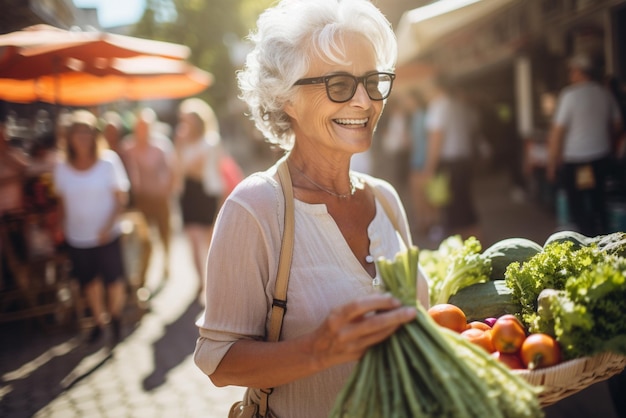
(151, 372)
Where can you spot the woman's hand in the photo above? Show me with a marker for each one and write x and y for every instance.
(344, 336)
(350, 329)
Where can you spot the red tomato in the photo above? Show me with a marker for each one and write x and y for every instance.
(540, 350)
(508, 334)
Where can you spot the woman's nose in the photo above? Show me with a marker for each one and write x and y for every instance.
(360, 96)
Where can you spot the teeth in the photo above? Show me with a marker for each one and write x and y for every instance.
(352, 121)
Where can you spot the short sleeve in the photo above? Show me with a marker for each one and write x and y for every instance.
(563, 112)
(120, 177)
(241, 259)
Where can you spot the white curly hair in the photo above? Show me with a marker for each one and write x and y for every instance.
(292, 34)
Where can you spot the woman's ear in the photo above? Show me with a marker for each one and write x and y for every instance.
(289, 110)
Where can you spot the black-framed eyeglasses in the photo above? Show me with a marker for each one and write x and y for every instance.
(341, 87)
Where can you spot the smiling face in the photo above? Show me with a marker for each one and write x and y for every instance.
(81, 142)
(325, 126)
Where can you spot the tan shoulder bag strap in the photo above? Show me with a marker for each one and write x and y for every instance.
(387, 208)
(279, 305)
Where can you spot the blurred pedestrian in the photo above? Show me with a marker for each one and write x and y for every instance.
(199, 148)
(616, 88)
(113, 131)
(451, 130)
(92, 187)
(315, 83)
(151, 163)
(585, 125)
(394, 136)
(425, 215)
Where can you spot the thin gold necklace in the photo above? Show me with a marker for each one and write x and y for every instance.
(324, 189)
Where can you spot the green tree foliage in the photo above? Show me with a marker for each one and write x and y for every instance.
(207, 27)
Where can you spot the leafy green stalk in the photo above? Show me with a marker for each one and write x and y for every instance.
(456, 264)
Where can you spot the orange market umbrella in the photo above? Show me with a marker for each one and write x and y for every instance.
(140, 78)
(42, 49)
(74, 68)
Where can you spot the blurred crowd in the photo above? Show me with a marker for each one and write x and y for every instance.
(438, 138)
(89, 181)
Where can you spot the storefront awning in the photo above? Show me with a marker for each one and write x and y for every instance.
(420, 29)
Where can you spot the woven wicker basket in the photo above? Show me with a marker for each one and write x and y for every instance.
(572, 376)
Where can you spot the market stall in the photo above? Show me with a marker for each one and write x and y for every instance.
(35, 276)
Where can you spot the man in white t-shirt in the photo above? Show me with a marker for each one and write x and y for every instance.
(586, 122)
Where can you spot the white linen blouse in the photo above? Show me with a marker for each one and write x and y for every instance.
(241, 275)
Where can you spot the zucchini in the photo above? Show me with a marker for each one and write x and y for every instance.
(613, 243)
(507, 251)
(579, 240)
(485, 300)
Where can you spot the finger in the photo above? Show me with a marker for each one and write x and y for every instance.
(358, 335)
(356, 338)
(384, 323)
(362, 306)
(345, 322)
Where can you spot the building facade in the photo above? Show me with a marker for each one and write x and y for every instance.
(515, 51)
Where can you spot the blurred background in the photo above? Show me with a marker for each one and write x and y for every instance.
(508, 57)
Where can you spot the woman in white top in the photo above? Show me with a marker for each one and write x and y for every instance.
(315, 84)
(92, 187)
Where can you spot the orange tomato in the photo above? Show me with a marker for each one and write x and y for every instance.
(480, 337)
(449, 316)
(479, 325)
(508, 334)
(540, 350)
(513, 361)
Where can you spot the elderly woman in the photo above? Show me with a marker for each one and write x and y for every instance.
(316, 83)
(92, 187)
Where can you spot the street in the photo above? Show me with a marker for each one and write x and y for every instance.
(150, 373)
